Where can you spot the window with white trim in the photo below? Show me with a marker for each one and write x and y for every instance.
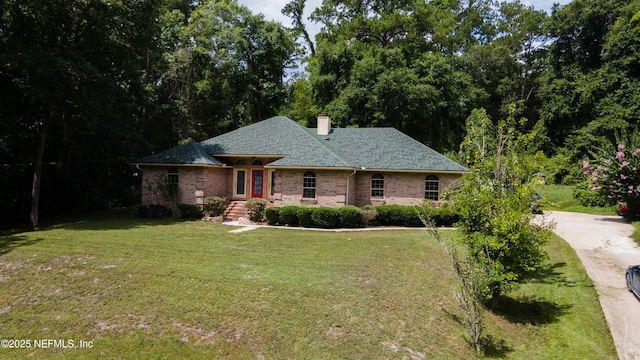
(377, 186)
(431, 187)
(309, 185)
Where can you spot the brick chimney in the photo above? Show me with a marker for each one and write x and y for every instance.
(324, 124)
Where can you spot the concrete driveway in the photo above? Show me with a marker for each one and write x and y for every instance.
(605, 249)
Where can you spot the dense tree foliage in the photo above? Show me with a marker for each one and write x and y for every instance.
(87, 86)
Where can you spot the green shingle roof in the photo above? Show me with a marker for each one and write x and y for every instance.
(188, 154)
(298, 146)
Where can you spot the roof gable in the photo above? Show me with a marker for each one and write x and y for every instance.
(278, 136)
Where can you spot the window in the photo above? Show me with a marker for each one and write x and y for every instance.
(257, 162)
(431, 188)
(309, 185)
(273, 182)
(240, 181)
(241, 163)
(377, 186)
(172, 181)
(172, 177)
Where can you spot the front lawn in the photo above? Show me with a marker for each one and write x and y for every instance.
(171, 289)
(560, 198)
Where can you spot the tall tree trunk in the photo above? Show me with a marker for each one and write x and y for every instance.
(37, 176)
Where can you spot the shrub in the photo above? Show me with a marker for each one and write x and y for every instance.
(304, 216)
(588, 197)
(142, 211)
(214, 205)
(389, 215)
(256, 209)
(397, 215)
(350, 217)
(615, 175)
(190, 211)
(411, 216)
(325, 217)
(158, 211)
(368, 216)
(273, 215)
(445, 215)
(289, 215)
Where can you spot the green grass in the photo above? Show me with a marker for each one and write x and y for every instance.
(560, 198)
(170, 289)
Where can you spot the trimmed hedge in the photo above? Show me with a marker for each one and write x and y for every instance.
(304, 216)
(153, 211)
(325, 217)
(190, 211)
(353, 217)
(396, 215)
(350, 217)
(289, 215)
(273, 215)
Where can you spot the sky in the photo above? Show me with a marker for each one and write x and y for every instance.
(271, 9)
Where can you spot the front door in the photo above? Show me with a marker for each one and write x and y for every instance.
(257, 183)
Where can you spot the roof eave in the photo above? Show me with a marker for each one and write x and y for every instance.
(172, 164)
(293, 167)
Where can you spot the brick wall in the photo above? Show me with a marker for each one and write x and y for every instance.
(194, 184)
(399, 188)
(197, 183)
(331, 187)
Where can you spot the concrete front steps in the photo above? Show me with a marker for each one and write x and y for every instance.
(235, 211)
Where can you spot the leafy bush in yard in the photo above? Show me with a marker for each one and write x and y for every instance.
(447, 215)
(353, 217)
(368, 216)
(444, 215)
(273, 215)
(190, 211)
(158, 211)
(304, 216)
(588, 197)
(396, 215)
(615, 174)
(142, 211)
(389, 215)
(256, 209)
(350, 217)
(411, 216)
(214, 205)
(325, 217)
(289, 215)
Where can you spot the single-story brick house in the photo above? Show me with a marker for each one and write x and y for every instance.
(286, 163)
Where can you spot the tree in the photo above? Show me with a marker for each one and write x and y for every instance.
(223, 68)
(494, 203)
(75, 78)
(575, 81)
(480, 140)
(375, 65)
(295, 10)
(470, 276)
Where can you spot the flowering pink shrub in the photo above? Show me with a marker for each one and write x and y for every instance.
(617, 177)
